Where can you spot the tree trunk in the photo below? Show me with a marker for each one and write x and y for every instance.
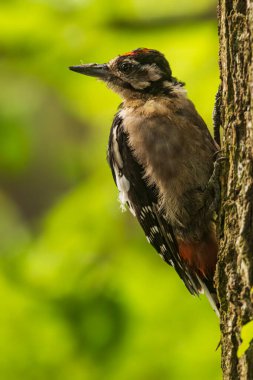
(234, 275)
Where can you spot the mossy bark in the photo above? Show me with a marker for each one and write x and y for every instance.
(234, 275)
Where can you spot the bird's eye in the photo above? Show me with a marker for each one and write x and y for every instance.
(126, 67)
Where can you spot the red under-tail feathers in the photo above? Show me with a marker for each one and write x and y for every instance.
(201, 257)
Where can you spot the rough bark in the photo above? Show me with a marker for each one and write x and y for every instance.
(235, 268)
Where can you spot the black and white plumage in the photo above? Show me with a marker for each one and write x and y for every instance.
(162, 156)
(142, 200)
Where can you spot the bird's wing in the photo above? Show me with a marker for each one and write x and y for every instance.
(142, 200)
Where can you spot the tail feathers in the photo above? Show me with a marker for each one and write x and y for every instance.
(212, 298)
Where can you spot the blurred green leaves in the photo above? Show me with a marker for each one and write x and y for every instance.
(82, 294)
(247, 336)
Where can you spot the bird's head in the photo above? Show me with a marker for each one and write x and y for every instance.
(141, 72)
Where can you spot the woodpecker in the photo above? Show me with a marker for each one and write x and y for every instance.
(162, 157)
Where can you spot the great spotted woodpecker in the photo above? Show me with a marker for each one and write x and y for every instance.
(162, 156)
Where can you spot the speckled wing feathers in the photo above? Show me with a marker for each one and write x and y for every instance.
(142, 201)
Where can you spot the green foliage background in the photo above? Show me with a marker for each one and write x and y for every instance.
(82, 294)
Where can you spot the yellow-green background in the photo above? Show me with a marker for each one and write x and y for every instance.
(82, 294)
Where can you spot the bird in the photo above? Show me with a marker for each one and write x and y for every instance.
(162, 157)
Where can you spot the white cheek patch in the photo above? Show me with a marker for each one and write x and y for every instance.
(139, 85)
(154, 73)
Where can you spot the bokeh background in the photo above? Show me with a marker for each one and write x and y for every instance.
(82, 294)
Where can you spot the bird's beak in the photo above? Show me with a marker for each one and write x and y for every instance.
(93, 70)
